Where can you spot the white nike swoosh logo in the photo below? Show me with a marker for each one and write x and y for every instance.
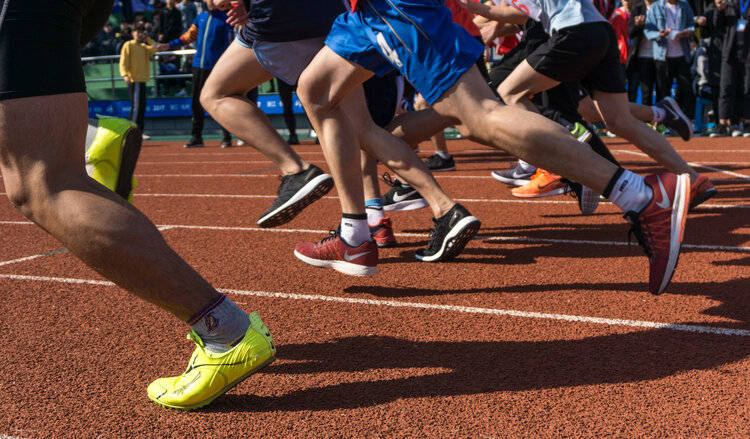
(397, 197)
(349, 257)
(665, 203)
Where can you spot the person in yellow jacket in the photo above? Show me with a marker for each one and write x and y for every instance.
(134, 69)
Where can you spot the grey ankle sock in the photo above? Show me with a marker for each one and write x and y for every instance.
(221, 324)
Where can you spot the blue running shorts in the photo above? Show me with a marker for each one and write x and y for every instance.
(417, 37)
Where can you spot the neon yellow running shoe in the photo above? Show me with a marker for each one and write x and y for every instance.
(580, 132)
(210, 375)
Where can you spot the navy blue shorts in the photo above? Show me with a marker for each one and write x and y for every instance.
(418, 38)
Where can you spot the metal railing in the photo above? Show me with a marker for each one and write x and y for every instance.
(114, 72)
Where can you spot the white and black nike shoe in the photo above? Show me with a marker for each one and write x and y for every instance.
(296, 192)
(401, 197)
(516, 176)
(450, 235)
(675, 119)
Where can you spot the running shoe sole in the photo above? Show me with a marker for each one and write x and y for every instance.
(589, 200)
(676, 108)
(399, 206)
(340, 266)
(513, 181)
(455, 240)
(222, 392)
(314, 190)
(679, 215)
(559, 191)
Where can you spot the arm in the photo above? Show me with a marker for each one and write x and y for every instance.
(185, 39)
(125, 63)
(503, 13)
(651, 28)
(152, 47)
(689, 17)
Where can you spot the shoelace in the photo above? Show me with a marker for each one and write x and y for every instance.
(390, 181)
(435, 233)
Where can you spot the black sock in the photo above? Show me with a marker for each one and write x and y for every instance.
(608, 190)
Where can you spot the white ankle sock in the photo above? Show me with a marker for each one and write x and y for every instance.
(374, 215)
(658, 114)
(630, 192)
(443, 154)
(526, 166)
(355, 231)
(220, 325)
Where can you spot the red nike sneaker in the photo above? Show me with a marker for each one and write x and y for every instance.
(333, 252)
(700, 191)
(382, 233)
(660, 226)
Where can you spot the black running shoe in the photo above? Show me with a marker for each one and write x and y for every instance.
(296, 192)
(450, 235)
(401, 197)
(675, 119)
(293, 140)
(195, 142)
(721, 131)
(588, 199)
(436, 163)
(226, 143)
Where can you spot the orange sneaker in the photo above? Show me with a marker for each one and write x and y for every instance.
(700, 191)
(542, 184)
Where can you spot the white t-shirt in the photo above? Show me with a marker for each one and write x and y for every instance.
(674, 48)
(557, 14)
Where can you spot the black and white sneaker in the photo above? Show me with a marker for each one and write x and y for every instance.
(450, 235)
(720, 131)
(296, 192)
(436, 163)
(675, 119)
(516, 176)
(401, 197)
(588, 199)
(195, 142)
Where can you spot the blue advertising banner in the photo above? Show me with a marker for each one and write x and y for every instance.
(180, 107)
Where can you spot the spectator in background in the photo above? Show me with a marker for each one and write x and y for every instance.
(134, 69)
(619, 21)
(707, 63)
(669, 25)
(168, 27)
(287, 103)
(605, 7)
(641, 71)
(107, 40)
(189, 11)
(213, 35)
(729, 23)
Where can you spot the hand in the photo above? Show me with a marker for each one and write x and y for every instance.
(128, 81)
(664, 33)
(639, 20)
(700, 20)
(489, 31)
(237, 14)
(163, 47)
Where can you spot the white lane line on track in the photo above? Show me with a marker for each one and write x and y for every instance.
(697, 165)
(32, 257)
(460, 200)
(425, 235)
(714, 330)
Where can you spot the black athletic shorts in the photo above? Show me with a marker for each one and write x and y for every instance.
(585, 53)
(381, 95)
(40, 44)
